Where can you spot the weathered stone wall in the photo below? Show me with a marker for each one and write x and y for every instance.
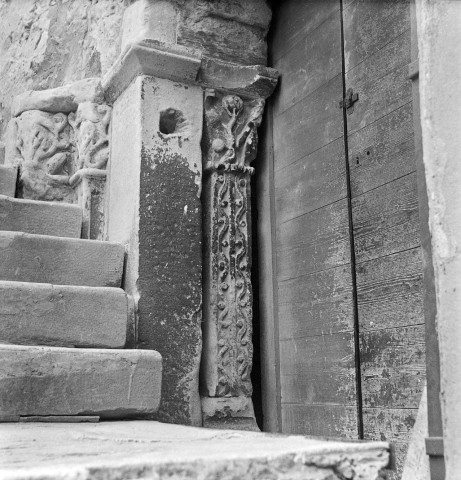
(49, 43)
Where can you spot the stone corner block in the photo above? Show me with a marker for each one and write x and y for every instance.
(153, 58)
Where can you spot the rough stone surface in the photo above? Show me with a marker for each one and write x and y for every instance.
(47, 44)
(232, 30)
(157, 124)
(41, 218)
(63, 99)
(60, 261)
(72, 381)
(151, 450)
(43, 314)
(8, 179)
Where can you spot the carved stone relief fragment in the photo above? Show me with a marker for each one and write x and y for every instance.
(229, 147)
(91, 135)
(44, 148)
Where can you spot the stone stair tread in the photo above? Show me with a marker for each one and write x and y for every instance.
(8, 179)
(28, 257)
(149, 449)
(41, 218)
(62, 315)
(38, 380)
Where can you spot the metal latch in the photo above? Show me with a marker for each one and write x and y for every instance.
(349, 100)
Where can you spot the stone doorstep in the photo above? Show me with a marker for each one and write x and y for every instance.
(60, 261)
(44, 314)
(8, 179)
(40, 218)
(44, 381)
(158, 451)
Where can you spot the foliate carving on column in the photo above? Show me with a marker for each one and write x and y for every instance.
(230, 145)
(43, 143)
(91, 135)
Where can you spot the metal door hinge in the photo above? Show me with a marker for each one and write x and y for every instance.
(349, 100)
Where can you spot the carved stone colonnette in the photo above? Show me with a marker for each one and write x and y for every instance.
(229, 146)
(59, 138)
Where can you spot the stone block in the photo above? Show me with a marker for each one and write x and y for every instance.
(63, 99)
(8, 179)
(41, 218)
(60, 315)
(151, 57)
(154, 207)
(60, 261)
(79, 381)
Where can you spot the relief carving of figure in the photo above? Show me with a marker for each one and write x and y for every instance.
(44, 143)
(91, 134)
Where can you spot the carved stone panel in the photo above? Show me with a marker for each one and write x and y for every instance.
(44, 153)
(229, 146)
(91, 135)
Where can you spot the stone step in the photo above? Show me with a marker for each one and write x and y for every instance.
(62, 315)
(41, 218)
(61, 261)
(8, 179)
(79, 381)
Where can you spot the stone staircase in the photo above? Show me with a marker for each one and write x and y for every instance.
(64, 319)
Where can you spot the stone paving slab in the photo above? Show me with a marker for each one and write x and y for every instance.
(41, 218)
(154, 451)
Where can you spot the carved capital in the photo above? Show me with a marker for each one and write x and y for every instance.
(230, 137)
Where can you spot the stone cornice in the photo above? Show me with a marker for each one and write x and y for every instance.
(186, 65)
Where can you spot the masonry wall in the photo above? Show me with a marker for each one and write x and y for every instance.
(48, 43)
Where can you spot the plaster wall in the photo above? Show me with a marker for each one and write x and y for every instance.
(440, 90)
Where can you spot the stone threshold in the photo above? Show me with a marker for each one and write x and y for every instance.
(148, 450)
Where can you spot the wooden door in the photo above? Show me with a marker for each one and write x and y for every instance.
(315, 301)
(381, 152)
(343, 327)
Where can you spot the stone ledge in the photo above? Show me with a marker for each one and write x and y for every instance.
(156, 451)
(186, 65)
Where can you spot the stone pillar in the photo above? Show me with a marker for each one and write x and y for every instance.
(155, 202)
(229, 146)
(439, 37)
(154, 208)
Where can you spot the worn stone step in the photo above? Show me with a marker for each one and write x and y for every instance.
(61, 261)
(41, 218)
(8, 178)
(79, 381)
(44, 314)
